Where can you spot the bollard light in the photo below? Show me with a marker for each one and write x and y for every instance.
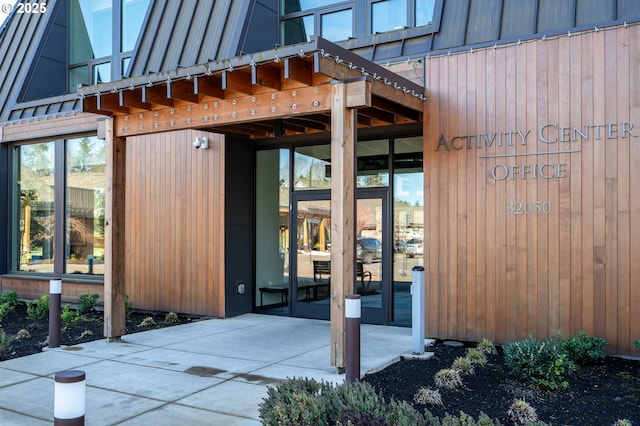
(352, 341)
(55, 298)
(69, 398)
(417, 309)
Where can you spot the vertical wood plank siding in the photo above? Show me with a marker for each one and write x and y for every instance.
(175, 223)
(505, 276)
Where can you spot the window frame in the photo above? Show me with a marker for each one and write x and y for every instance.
(362, 19)
(59, 209)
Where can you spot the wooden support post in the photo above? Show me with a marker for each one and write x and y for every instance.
(343, 213)
(114, 289)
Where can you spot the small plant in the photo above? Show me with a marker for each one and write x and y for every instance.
(623, 422)
(4, 311)
(448, 378)
(542, 363)
(148, 322)
(463, 365)
(10, 297)
(171, 318)
(6, 343)
(476, 356)
(38, 309)
(522, 413)
(636, 343)
(68, 317)
(429, 397)
(487, 347)
(583, 348)
(128, 306)
(23, 334)
(86, 333)
(88, 303)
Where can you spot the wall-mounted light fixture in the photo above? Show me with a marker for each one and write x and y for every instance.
(201, 143)
(240, 286)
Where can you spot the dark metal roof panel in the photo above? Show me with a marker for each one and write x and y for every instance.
(18, 43)
(483, 23)
(453, 24)
(555, 15)
(593, 11)
(184, 33)
(518, 18)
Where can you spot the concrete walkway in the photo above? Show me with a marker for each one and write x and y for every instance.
(210, 372)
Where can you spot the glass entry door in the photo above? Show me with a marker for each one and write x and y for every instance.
(311, 259)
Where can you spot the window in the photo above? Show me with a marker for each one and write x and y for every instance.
(84, 215)
(58, 204)
(34, 206)
(103, 34)
(336, 21)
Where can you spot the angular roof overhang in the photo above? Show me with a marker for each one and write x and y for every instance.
(284, 91)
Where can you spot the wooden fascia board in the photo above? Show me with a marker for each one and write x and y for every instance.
(242, 109)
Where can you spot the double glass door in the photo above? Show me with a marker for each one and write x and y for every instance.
(311, 258)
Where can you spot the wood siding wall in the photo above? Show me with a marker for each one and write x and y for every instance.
(175, 223)
(506, 276)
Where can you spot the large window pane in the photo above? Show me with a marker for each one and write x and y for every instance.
(84, 213)
(291, 6)
(35, 206)
(424, 12)
(388, 15)
(373, 163)
(90, 32)
(101, 73)
(133, 12)
(312, 167)
(297, 30)
(408, 222)
(337, 25)
(272, 229)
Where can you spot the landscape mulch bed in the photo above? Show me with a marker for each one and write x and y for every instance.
(90, 328)
(597, 394)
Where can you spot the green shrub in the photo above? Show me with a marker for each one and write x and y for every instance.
(171, 318)
(68, 317)
(88, 303)
(5, 308)
(487, 347)
(476, 356)
(307, 402)
(542, 363)
(462, 419)
(296, 401)
(583, 348)
(463, 365)
(448, 378)
(520, 412)
(147, 322)
(10, 297)
(6, 343)
(38, 309)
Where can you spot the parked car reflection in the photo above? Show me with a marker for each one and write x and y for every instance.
(368, 250)
(415, 247)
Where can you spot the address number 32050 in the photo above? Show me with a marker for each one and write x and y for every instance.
(529, 207)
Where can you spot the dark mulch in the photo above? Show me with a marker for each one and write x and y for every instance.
(598, 394)
(90, 328)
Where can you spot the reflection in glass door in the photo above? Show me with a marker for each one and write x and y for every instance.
(312, 257)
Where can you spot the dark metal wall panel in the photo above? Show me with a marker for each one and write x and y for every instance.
(484, 21)
(4, 208)
(555, 15)
(238, 227)
(18, 45)
(594, 11)
(452, 25)
(518, 18)
(627, 8)
(262, 30)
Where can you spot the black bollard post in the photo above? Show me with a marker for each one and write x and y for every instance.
(55, 298)
(352, 344)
